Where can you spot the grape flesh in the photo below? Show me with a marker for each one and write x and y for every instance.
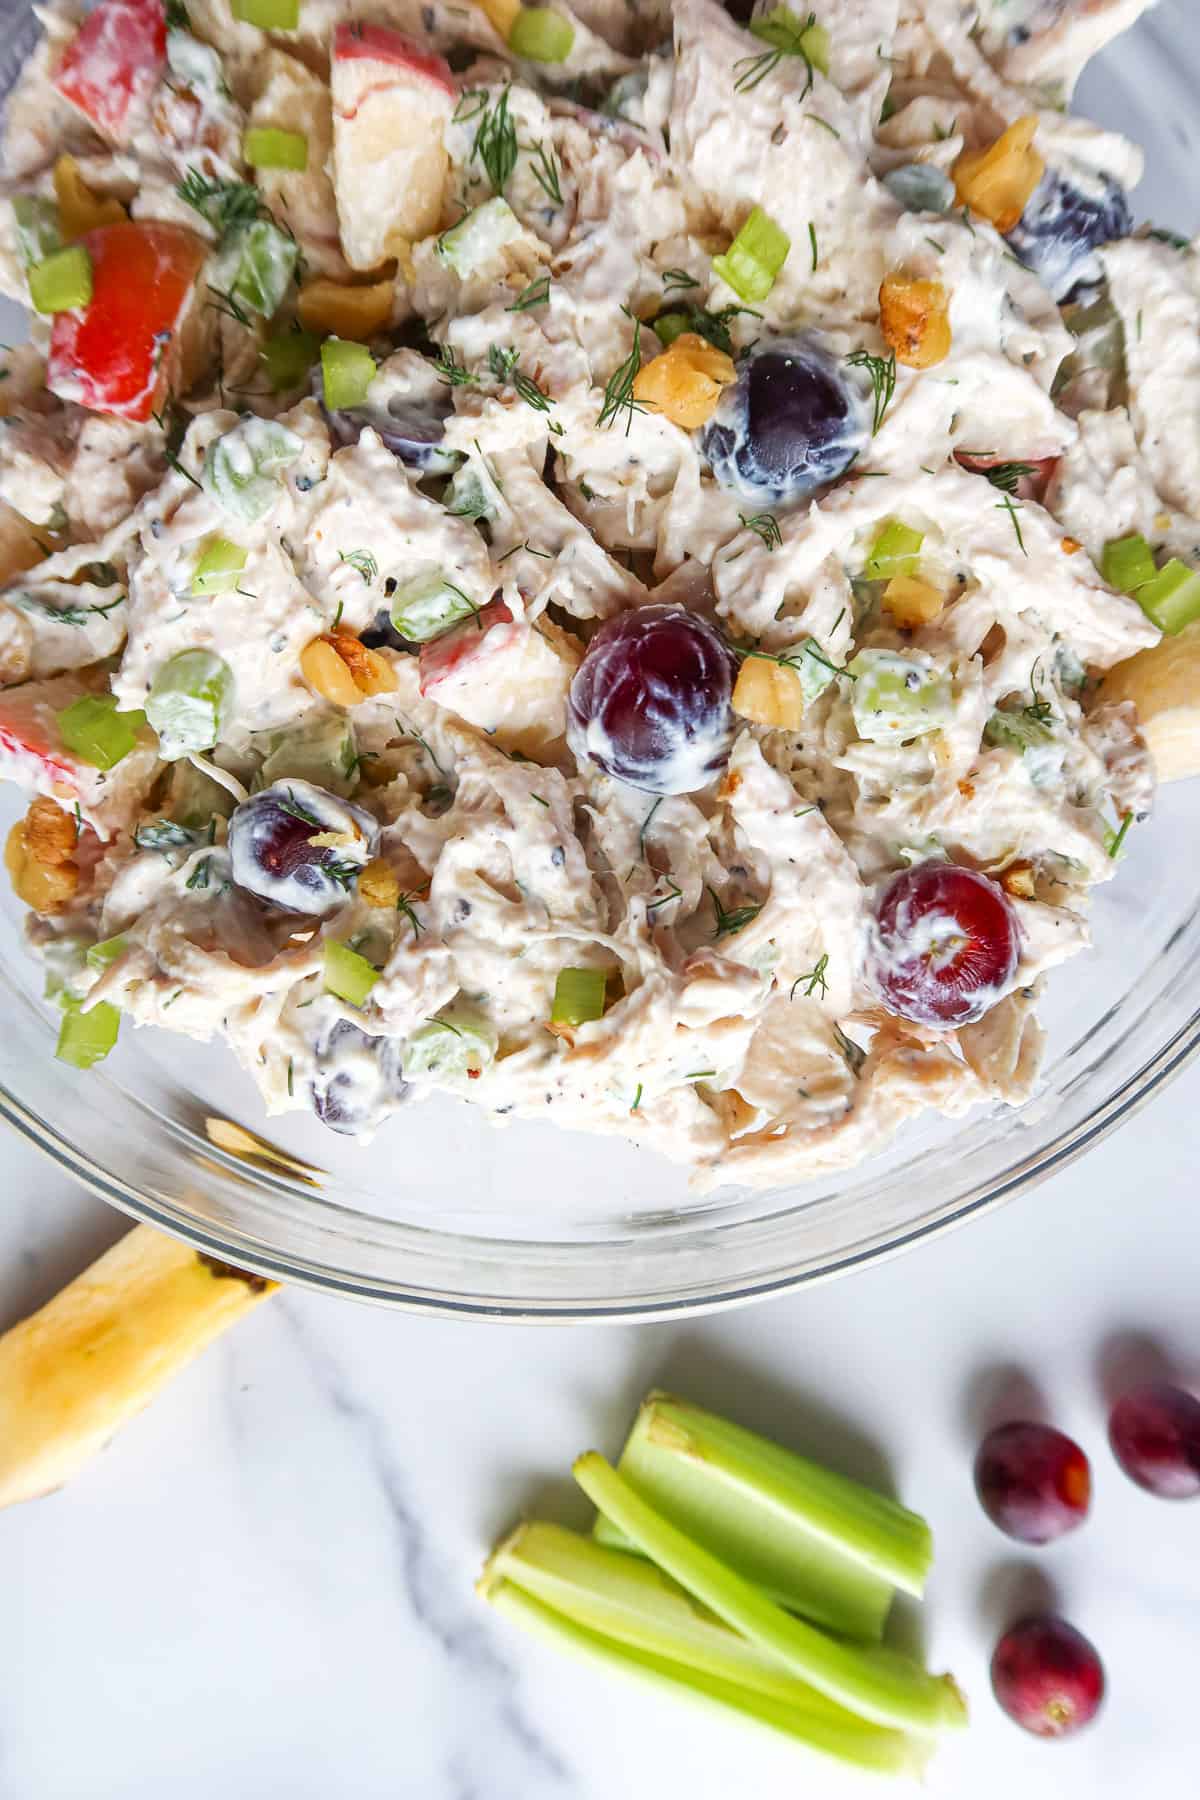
(273, 855)
(1155, 1436)
(357, 1081)
(1063, 225)
(1033, 1482)
(1047, 1677)
(792, 422)
(945, 946)
(650, 703)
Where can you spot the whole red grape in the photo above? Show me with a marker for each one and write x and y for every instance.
(1155, 1435)
(1047, 1677)
(650, 702)
(946, 944)
(1033, 1482)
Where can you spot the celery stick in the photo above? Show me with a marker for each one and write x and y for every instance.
(848, 1739)
(884, 1687)
(628, 1598)
(817, 1542)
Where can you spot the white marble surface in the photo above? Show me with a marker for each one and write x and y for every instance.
(263, 1588)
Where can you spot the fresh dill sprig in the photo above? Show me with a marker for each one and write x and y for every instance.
(678, 278)
(225, 205)
(854, 1053)
(618, 389)
(173, 462)
(816, 119)
(785, 35)
(646, 827)
(714, 326)
(404, 905)
(813, 980)
(230, 309)
(199, 875)
(1113, 840)
(1006, 505)
(452, 371)
(764, 525)
(536, 294)
(496, 143)
(676, 893)
(474, 101)
(812, 238)
(1007, 475)
(363, 561)
(546, 172)
(295, 810)
(637, 1098)
(502, 361)
(1041, 712)
(882, 371)
(733, 918)
(63, 615)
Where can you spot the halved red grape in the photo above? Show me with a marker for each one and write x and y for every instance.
(1155, 1435)
(358, 1081)
(299, 847)
(1047, 1676)
(1033, 1482)
(792, 422)
(945, 946)
(650, 702)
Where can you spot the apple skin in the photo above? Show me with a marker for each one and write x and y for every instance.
(112, 64)
(378, 43)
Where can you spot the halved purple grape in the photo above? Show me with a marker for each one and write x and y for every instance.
(275, 856)
(792, 422)
(358, 1081)
(1065, 221)
(381, 634)
(408, 406)
(650, 703)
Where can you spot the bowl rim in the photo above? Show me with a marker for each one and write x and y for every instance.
(1182, 1049)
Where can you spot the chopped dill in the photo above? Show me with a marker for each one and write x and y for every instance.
(618, 389)
(496, 142)
(544, 164)
(765, 526)
(454, 373)
(225, 205)
(364, 562)
(536, 294)
(678, 278)
(732, 919)
(785, 34)
(882, 372)
(813, 980)
(812, 238)
(1006, 505)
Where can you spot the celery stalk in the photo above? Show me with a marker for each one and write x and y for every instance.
(627, 1598)
(817, 1542)
(848, 1739)
(879, 1684)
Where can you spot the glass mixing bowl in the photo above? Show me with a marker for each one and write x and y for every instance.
(445, 1213)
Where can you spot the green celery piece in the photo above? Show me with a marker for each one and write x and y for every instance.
(784, 31)
(854, 1741)
(898, 697)
(754, 258)
(347, 974)
(270, 15)
(347, 371)
(189, 702)
(817, 1542)
(62, 282)
(578, 996)
(896, 551)
(1127, 563)
(322, 750)
(266, 263)
(670, 325)
(85, 1038)
(427, 604)
(456, 1044)
(539, 34)
(624, 1596)
(878, 1684)
(103, 955)
(267, 147)
(218, 567)
(1172, 599)
(92, 729)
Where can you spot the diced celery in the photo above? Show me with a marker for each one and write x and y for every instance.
(242, 469)
(85, 1038)
(267, 147)
(347, 974)
(754, 258)
(62, 282)
(1127, 563)
(104, 954)
(919, 187)
(322, 751)
(578, 996)
(896, 551)
(92, 729)
(270, 15)
(194, 799)
(347, 371)
(625, 1597)
(472, 494)
(263, 260)
(63, 959)
(288, 356)
(1172, 599)
(814, 668)
(476, 240)
(845, 1737)
(879, 1684)
(668, 326)
(458, 1044)
(541, 35)
(1016, 731)
(218, 567)
(817, 1542)
(189, 702)
(37, 229)
(784, 31)
(427, 605)
(896, 697)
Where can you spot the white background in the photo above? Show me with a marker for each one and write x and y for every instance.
(263, 1588)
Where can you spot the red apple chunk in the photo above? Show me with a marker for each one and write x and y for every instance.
(112, 64)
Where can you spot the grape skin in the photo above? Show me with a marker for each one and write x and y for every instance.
(792, 422)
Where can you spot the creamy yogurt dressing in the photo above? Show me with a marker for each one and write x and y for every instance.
(732, 917)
